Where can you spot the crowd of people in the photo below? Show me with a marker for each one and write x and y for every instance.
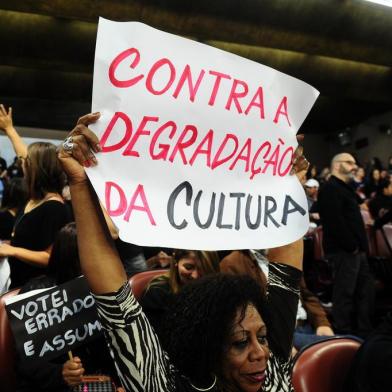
(212, 321)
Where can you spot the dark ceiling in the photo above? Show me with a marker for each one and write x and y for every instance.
(341, 47)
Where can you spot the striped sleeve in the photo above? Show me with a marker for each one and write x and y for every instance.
(285, 277)
(282, 303)
(140, 361)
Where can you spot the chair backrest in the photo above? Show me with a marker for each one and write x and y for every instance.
(371, 237)
(140, 281)
(7, 347)
(318, 251)
(323, 366)
(384, 242)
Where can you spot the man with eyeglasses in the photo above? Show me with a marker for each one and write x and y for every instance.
(345, 245)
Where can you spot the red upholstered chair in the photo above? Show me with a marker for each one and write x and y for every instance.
(318, 243)
(371, 237)
(140, 281)
(7, 347)
(323, 366)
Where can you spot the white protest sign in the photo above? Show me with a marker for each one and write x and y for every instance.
(197, 142)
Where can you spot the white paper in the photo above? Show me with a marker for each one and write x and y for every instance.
(266, 109)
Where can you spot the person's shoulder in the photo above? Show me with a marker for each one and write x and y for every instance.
(54, 206)
(54, 203)
(157, 292)
(159, 284)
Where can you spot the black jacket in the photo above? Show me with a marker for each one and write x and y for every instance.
(372, 365)
(343, 226)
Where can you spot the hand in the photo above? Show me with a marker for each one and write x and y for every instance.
(300, 163)
(6, 250)
(73, 371)
(324, 330)
(85, 143)
(5, 118)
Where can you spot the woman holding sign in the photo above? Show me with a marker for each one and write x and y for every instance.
(222, 335)
(45, 212)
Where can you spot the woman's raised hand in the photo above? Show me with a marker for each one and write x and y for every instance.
(77, 151)
(300, 163)
(5, 118)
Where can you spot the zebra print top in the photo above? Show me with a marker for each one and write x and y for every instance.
(143, 365)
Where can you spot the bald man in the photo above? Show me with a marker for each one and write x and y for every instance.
(345, 245)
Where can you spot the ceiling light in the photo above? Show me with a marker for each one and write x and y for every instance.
(388, 3)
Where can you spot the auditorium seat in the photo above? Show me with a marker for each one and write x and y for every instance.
(323, 366)
(371, 237)
(140, 281)
(7, 347)
(321, 282)
(384, 242)
(318, 243)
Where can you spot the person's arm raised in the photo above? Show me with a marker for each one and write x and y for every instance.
(292, 254)
(99, 259)
(6, 124)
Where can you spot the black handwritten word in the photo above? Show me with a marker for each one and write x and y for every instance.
(268, 210)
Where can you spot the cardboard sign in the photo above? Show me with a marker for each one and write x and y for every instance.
(197, 142)
(54, 321)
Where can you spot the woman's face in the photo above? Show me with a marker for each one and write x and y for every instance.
(376, 174)
(188, 269)
(360, 173)
(245, 362)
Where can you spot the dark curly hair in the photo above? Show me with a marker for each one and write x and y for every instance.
(199, 321)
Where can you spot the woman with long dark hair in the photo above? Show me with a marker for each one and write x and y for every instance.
(45, 212)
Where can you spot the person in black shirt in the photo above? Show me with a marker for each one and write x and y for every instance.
(345, 244)
(45, 212)
(372, 365)
(382, 203)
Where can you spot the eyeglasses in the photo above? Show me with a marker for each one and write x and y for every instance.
(352, 163)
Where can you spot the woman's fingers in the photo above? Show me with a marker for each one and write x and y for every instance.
(82, 142)
(82, 129)
(299, 162)
(82, 152)
(73, 371)
(78, 149)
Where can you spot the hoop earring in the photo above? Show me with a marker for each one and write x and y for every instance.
(204, 389)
